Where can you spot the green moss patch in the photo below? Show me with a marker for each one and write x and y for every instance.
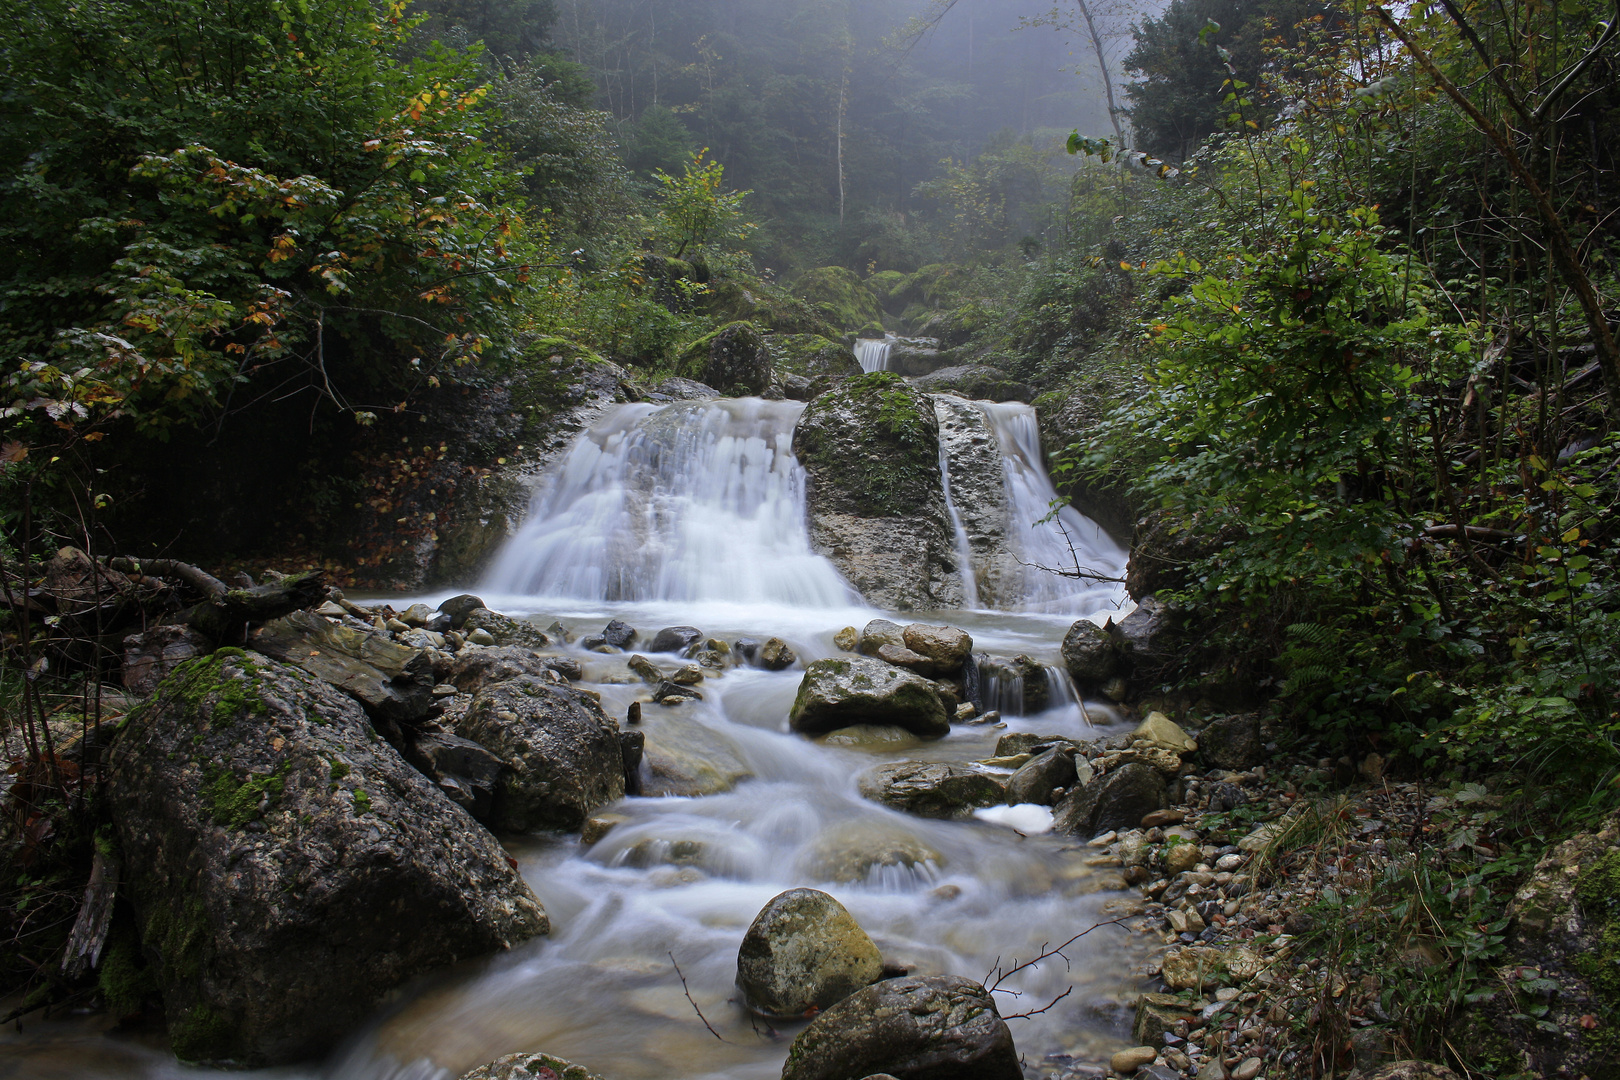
(234, 803)
(1598, 891)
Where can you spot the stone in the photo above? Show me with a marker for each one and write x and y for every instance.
(619, 634)
(646, 669)
(855, 852)
(462, 769)
(804, 952)
(1035, 780)
(1118, 799)
(1126, 1062)
(848, 639)
(669, 692)
(1247, 1069)
(900, 656)
(599, 825)
(687, 675)
(1023, 742)
(675, 639)
(881, 632)
(1224, 797)
(252, 803)
(530, 1067)
(1411, 1070)
(874, 494)
(1157, 1014)
(459, 607)
(1144, 636)
(972, 450)
(1163, 732)
(870, 736)
(679, 389)
(392, 681)
(840, 691)
(738, 361)
(151, 655)
(473, 670)
(931, 789)
(480, 636)
(978, 382)
(416, 615)
(946, 647)
(1161, 818)
(938, 1027)
(1090, 655)
(686, 757)
(776, 655)
(1232, 742)
(504, 629)
(563, 753)
(1017, 683)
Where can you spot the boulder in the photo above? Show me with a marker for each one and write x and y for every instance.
(505, 629)
(686, 757)
(840, 297)
(874, 495)
(841, 691)
(1015, 685)
(918, 356)
(738, 361)
(931, 789)
(813, 362)
(804, 952)
(475, 668)
(1035, 779)
(150, 656)
(459, 607)
(900, 656)
(848, 639)
(287, 868)
(530, 1067)
(1090, 654)
(978, 381)
(465, 771)
(1116, 800)
(562, 751)
(1232, 742)
(619, 634)
(979, 493)
(881, 632)
(937, 1027)
(945, 647)
(392, 681)
(1144, 635)
(1161, 731)
(675, 639)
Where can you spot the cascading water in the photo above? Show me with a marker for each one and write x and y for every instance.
(873, 353)
(691, 501)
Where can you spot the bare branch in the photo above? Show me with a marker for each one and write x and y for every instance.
(1043, 1008)
(695, 1008)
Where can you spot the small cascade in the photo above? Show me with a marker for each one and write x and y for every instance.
(964, 553)
(691, 501)
(873, 353)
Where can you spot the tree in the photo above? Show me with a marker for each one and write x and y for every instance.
(695, 213)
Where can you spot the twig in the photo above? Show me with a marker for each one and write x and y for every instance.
(995, 987)
(1037, 1012)
(695, 1008)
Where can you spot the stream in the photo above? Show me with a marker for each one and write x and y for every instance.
(693, 514)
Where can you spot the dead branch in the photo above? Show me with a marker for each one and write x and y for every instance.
(1046, 954)
(1043, 1008)
(200, 580)
(695, 1008)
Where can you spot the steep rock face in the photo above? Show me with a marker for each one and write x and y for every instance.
(979, 492)
(287, 867)
(870, 449)
(1068, 417)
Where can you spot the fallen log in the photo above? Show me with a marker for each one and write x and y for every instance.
(229, 613)
(201, 580)
(392, 681)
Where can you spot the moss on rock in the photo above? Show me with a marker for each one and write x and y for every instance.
(841, 298)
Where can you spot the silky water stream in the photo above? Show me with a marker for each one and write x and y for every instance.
(694, 514)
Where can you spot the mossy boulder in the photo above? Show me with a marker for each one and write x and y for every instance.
(530, 1067)
(812, 356)
(870, 449)
(766, 306)
(841, 691)
(976, 381)
(287, 867)
(885, 285)
(734, 359)
(838, 295)
(804, 952)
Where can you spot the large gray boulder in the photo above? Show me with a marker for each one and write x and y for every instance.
(804, 951)
(563, 753)
(1119, 799)
(931, 788)
(287, 867)
(937, 1027)
(875, 500)
(841, 691)
(393, 682)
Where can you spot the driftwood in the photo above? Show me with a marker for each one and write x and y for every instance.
(392, 681)
(228, 613)
(200, 580)
(89, 936)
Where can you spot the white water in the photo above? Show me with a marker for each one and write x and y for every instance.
(873, 353)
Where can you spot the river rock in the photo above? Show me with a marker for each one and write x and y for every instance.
(871, 737)
(530, 1067)
(842, 691)
(648, 671)
(738, 360)
(686, 757)
(1090, 654)
(937, 1027)
(975, 381)
(562, 751)
(287, 868)
(679, 389)
(804, 951)
(1023, 742)
(392, 681)
(1115, 800)
(881, 632)
(619, 634)
(1157, 1014)
(1125, 1062)
(848, 639)
(675, 639)
(853, 852)
(1035, 780)
(504, 629)
(931, 789)
(473, 669)
(775, 655)
(459, 607)
(1161, 731)
(874, 495)
(1232, 742)
(1017, 685)
(944, 646)
(900, 656)
(918, 356)
(150, 656)
(465, 771)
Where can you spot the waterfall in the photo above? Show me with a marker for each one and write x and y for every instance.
(873, 353)
(690, 501)
(964, 552)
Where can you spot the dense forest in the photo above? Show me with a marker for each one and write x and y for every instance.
(1314, 302)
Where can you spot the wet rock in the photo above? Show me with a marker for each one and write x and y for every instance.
(775, 655)
(462, 769)
(1016, 685)
(392, 681)
(1232, 742)
(675, 639)
(856, 852)
(804, 951)
(1411, 1070)
(1144, 636)
(504, 629)
(566, 666)
(979, 493)
(288, 868)
(736, 360)
(881, 632)
(875, 501)
(976, 381)
(648, 671)
(1115, 800)
(619, 634)
(1224, 797)
(900, 656)
(1125, 1062)
(530, 1067)
(599, 825)
(679, 389)
(1034, 781)
(937, 1027)
(848, 639)
(475, 668)
(945, 647)
(918, 356)
(480, 637)
(687, 675)
(1159, 730)
(150, 656)
(931, 789)
(669, 692)
(632, 747)
(563, 753)
(1157, 1014)
(870, 736)
(1023, 742)
(686, 757)
(839, 692)
(416, 615)
(1090, 655)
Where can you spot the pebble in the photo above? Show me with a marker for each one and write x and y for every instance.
(1128, 1061)
(1248, 1070)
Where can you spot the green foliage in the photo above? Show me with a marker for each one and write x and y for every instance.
(233, 803)
(695, 215)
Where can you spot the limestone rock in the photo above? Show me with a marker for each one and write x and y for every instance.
(1023, 742)
(1165, 733)
(1034, 781)
(1116, 800)
(530, 1067)
(979, 492)
(804, 951)
(1090, 655)
(945, 647)
(977, 381)
(839, 692)
(881, 632)
(738, 360)
(475, 668)
(900, 656)
(150, 656)
(938, 1027)
(563, 753)
(1156, 1014)
(459, 607)
(776, 655)
(848, 639)
(393, 682)
(505, 629)
(931, 789)
(465, 771)
(288, 868)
